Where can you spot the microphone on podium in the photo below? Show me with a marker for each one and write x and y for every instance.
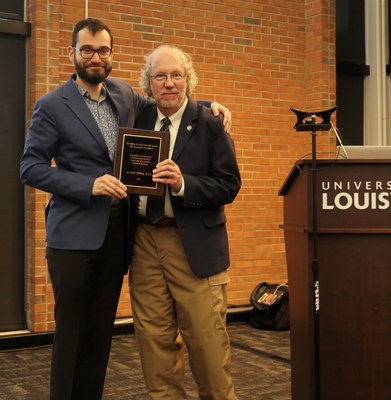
(339, 140)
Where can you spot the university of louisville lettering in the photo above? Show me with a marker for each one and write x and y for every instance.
(360, 195)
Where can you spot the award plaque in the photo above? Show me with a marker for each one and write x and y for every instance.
(138, 152)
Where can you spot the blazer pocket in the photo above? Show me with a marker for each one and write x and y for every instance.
(215, 220)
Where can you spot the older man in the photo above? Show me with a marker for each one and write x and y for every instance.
(178, 271)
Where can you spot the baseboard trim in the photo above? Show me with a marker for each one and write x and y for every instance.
(25, 339)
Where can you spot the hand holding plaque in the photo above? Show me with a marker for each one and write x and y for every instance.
(138, 152)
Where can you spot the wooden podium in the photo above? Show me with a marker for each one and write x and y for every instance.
(353, 203)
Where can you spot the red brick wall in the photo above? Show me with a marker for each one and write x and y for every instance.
(259, 58)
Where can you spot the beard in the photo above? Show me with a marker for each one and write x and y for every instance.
(170, 103)
(93, 77)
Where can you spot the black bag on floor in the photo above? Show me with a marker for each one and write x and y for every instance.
(270, 306)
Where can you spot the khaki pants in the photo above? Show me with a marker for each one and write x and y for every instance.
(167, 297)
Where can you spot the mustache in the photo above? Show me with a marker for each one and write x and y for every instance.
(95, 64)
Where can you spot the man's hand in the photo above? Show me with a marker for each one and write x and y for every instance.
(110, 186)
(219, 109)
(169, 173)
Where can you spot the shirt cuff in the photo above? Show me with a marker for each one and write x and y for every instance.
(181, 192)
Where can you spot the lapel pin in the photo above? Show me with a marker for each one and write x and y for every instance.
(189, 128)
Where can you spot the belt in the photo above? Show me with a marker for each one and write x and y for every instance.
(162, 223)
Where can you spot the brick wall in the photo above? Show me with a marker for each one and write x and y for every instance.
(259, 58)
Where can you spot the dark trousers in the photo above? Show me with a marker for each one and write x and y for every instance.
(86, 286)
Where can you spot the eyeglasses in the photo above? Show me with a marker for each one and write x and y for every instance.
(88, 52)
(175, 76)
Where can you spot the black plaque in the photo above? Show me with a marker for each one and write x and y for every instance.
(138, 152)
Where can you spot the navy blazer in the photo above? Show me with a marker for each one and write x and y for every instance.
(63, 129)
(206, 157)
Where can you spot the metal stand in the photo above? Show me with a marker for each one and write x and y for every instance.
(306, 121)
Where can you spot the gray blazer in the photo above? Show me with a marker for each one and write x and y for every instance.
(63, 129)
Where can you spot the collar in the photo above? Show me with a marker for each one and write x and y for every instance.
(85, 93)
